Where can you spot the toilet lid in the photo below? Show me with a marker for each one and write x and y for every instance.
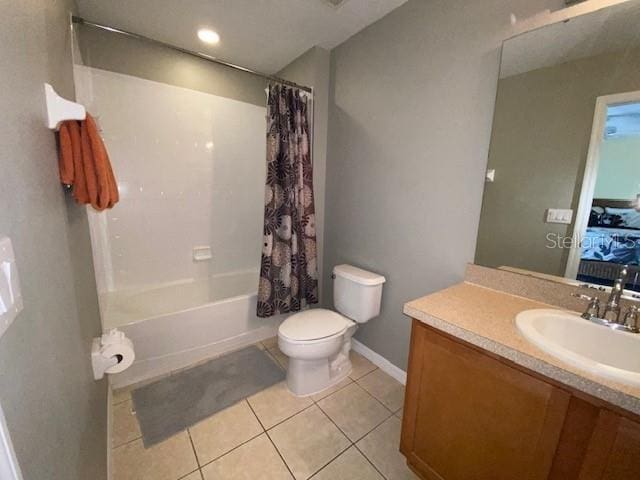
(313, 324)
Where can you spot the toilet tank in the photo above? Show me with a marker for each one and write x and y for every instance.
(357, 293)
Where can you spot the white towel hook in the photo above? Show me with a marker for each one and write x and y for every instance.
(60, 109)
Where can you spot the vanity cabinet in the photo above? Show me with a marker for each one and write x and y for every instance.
(470, 415)
(613, 450)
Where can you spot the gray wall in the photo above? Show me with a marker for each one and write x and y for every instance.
(312, 69)
(410, 120)
(539, 147)
(55, 411)
(110, 51)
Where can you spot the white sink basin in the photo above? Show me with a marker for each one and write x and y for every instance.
(583, 344)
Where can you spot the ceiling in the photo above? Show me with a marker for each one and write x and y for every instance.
(608, 30)
(264, 35)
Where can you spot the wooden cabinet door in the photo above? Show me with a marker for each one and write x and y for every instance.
(614, 449)
(469, 416)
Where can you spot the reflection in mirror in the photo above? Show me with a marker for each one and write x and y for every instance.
(564, 196)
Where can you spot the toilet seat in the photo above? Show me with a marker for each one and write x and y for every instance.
(313, 325)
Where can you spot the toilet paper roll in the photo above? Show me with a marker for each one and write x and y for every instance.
(123, 351)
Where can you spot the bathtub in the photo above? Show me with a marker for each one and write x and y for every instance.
(179, 324)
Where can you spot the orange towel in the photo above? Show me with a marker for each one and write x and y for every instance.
(84, 163)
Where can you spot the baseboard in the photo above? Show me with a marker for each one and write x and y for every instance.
(379, 361)
(109, 429)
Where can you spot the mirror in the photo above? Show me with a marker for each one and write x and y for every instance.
(562, 194)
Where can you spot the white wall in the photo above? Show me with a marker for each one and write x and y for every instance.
(190, 169)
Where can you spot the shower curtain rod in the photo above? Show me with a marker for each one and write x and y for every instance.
(203, 56)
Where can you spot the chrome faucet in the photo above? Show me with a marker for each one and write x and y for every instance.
(612, 308)
(611, 314)
(593, 309)
(631, 319)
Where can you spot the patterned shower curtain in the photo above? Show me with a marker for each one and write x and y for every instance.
(288, 273)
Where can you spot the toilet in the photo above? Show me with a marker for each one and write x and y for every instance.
(318, 341)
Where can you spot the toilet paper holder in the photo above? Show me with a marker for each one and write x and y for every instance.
(111, 353)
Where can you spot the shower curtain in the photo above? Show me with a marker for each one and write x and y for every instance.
(288, 272)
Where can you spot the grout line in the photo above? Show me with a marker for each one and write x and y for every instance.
(190, 473)
(271, 440)
(241, 444)
(209, 462)
(371, 372)
(363, 375)
(255, 414)
(193, 447)
(280, 455)
(377, 425)
(331, 461)
(336, 391)
(281, 421)
(313, 404)
(126, 443)
(352, 443)
(335, 424)
(290, 417)
(362, 436)
(370, 462)
(374, 397)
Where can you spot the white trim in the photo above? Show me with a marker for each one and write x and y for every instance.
(109, 429)
(379, 361)
(548, 17)
(591, 174)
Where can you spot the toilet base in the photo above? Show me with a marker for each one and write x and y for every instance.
(308, 377)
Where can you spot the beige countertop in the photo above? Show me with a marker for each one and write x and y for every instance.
(486, 318)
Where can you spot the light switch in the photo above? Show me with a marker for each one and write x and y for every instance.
(559, 215)
(10, 295)
(202, 253)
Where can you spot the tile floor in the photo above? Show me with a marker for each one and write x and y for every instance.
(350, 432)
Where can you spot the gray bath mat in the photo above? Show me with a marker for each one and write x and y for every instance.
(172, 404)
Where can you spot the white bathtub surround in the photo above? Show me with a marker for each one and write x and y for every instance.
(176, 325)
(190, 169)
(176, 262)
(132, 305)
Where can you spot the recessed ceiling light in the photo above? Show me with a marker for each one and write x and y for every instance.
(208, 36)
